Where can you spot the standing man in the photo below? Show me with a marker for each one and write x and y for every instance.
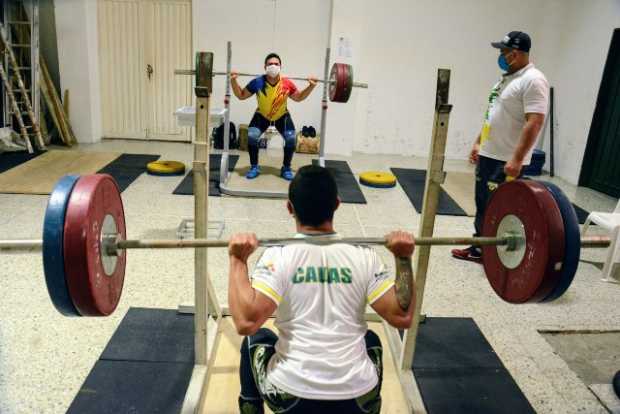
(272, 91)
(517, 108)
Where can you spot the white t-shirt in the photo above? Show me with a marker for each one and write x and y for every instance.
(525, 91)
(321, 293)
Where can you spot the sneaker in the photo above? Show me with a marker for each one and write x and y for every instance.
(304, 131)
(286, 173)
(311, 132)
(471, 254)
(253, 172)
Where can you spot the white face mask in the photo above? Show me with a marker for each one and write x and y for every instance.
(273, 70)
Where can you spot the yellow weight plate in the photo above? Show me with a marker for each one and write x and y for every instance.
(165, 168)
(378, 179)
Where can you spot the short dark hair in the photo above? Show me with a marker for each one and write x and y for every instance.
(273, 55)
(314, 195)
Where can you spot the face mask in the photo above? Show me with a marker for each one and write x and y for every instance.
(273, 70)
(503, 63)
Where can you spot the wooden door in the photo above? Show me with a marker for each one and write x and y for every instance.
(141, 43)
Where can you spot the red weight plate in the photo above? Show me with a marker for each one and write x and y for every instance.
(540, 269)
(348, 82)
(332, 82)
(94, 291)
(344, 83)
(340, 85)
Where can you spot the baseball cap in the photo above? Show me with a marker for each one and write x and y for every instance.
(514, 40)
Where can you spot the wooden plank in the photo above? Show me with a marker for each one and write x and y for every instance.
(434, 178)
(65, 103)
(47, 98)
(15, 108)
(39, 175)
(56, 105)
(24, 94)
(223, 387)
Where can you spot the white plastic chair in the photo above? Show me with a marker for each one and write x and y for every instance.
(611, 223)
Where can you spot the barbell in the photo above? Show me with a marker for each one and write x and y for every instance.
(530, 242)
(340, 80)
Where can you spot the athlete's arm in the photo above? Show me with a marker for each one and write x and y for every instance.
(300, 95)
(249, 308)
(397, 304)
(241, 94)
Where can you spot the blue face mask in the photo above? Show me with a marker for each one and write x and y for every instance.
(502, 63)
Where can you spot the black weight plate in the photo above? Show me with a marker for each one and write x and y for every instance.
(572, 242)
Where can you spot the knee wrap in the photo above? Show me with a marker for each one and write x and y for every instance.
(289, 138)
(253, 136)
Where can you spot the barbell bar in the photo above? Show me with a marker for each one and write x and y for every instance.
(339, 85)
(114, 244)
(192, 72)
(111, 243)
(530, 241)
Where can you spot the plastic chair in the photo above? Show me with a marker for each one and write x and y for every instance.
(611, 223)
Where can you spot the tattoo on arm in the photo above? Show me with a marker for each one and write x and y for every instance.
(404, 281)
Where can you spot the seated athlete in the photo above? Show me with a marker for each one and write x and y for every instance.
(325, 359)
(272, 91)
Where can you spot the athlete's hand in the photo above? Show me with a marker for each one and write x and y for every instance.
(473, 155)
(242, 245)
(234, 75)
(513, 168)
(312, 80)
(400, 243)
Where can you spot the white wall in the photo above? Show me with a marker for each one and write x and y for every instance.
(78, 61)
(398, 53)
(397, 46)
(403, 42)
(576, 75)
(296, 29)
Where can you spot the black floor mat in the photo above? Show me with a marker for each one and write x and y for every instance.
(145, 368)
(127, 168)
(413, 183)
(349, 190)
(9, 160)
(152, 335)
(186, 187)
(457, 371)
(135, 387)
(582, 214)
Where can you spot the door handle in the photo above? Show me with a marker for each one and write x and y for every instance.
(149, 71)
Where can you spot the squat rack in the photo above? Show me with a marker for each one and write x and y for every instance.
(206, 306)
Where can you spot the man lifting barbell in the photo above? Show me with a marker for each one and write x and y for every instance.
(325, 357)
(271, 90)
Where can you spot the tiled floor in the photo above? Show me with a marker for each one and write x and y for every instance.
(45, 357)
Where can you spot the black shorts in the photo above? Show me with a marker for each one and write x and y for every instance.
(257, 350)
(284, 125)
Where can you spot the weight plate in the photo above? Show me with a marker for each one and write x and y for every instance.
(572, 241)
(348, 88)
(378, 179)
(53, 255)
(332, 82)
(165, 168)
(539, 271)
(338, 81)
(94, 284)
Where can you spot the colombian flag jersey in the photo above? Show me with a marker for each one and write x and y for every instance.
(271, 99)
